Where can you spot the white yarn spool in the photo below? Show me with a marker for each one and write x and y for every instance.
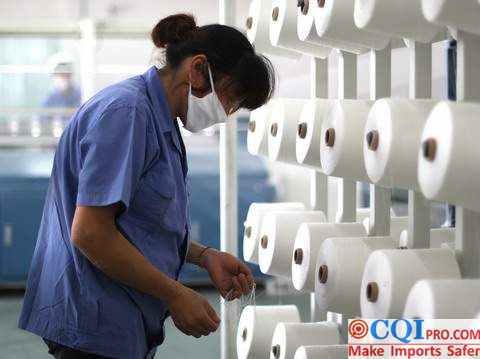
(401, 19)
(287, 337)
(283, 30)
(448, 158)
(257, 136)
(322, 352)
(307, 31)
(283, 130)
(309, 132)
(256, 327)
(463, 15)
(277, 238)
(338, 271)
(334, 21)
(310, 237)
(253, 222)
(390, 274)
(341, 147)
(258, 30)
(392, 140)
(443, 299)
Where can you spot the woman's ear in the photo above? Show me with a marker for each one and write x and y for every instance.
(198, 73)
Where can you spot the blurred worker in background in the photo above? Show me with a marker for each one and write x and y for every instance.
(65, 93)
(116, 223)
(65, 96)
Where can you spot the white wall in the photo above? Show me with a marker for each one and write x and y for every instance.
(39, 8)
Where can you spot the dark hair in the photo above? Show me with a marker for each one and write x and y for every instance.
(228, 51)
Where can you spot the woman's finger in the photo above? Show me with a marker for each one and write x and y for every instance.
(230, 295)
(198, 329)
(225, 293)
(237, 286)
(213, 315)
(250, 280)
(206, 327)
(248, 273)
(209, 326)
(242, 278)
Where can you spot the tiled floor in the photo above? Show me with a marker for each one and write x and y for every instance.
(18, 344)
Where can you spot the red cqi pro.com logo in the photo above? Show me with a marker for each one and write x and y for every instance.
(414, 338)
(358, 329)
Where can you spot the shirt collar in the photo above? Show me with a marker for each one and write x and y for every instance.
(156, 93)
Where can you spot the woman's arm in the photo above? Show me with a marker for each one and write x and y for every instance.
(95, 234)
(196, 253)
(229, 274)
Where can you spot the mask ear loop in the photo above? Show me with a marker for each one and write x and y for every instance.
(210, 75)
(190, 89)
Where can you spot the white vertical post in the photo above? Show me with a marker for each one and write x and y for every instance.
(228, 204)
(467, 241)
(88, 62)
(347, 89)
(420, 86)
(468, 76)
(380, 86)
(318, 180)
(319, 191)
(319, 89)
(318, 78)
(347, 189)
(420, 81)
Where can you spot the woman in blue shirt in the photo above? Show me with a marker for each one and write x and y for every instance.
(114, 233)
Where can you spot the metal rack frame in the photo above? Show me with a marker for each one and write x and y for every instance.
(420, 87)
(228, 203)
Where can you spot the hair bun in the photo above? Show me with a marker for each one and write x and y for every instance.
(173, 29)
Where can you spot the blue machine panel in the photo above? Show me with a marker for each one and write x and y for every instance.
(23, 185)
(21, 205)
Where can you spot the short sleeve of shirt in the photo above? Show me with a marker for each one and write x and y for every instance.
(112, 155)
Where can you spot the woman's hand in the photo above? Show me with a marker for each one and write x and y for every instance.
(191, 313)
(229, 274)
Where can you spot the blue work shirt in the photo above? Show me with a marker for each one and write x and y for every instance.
(59, 99)
(121, 146)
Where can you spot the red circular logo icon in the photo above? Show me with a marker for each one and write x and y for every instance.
(358, 329)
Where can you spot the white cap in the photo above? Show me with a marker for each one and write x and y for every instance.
(61, 62)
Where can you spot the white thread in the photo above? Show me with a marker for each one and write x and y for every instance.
(245, 300)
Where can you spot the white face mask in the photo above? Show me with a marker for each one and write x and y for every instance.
(205, 111)
(60, 84)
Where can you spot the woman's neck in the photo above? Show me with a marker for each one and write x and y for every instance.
(171, 86)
